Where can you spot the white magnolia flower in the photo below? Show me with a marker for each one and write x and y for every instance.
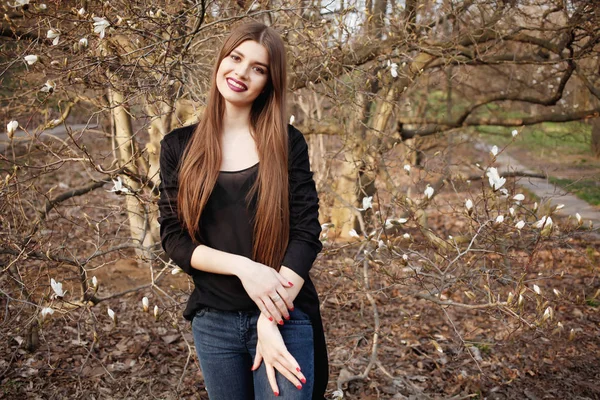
(469, 205)
(406, 236)
(558, 207)
(42, 6)
(556, 292)
(100, 25)
(428, 192)
(494, 150)
(407, 168)
(405, 257)
(519, 197)
(156, 312)
(48, 87)
(510, 298)
(391, 222)
(118, 186)
(46, 311)
(367, 202)
(327, 225)
(11, 128)
(57, 287)
(292, 119)
(511, 211)
(514, 133)
(53, 34)
(145, 304)
(112, 315)
(176, 271)
(535, 206)
(547, 314)
(338, 394)
(393, 68)
(521, 299)
(519, 225)
(31, 59)
(500, 219)
(83, 42)
(544, 222)
(19, 3)
(578, 217)
(381, 245)
(81, 11)
(94, 282)
(537, 289)
(496, 181)
(353, 233)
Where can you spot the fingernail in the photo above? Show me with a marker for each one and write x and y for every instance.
(298, 369)
(252, 369)
(292, 309)
(299, 387)
(287, 318)
(270, 318)
(276, 393)
(303, 380)
(280, 322)
(290, 283)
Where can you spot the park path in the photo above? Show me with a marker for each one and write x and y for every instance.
(546, 191)
(20, 136)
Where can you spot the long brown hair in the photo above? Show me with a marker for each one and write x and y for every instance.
(202, 158)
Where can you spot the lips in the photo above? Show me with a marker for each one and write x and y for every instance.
(236, 85)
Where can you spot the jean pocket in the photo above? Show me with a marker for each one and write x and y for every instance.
(200, 313)
(298, 317)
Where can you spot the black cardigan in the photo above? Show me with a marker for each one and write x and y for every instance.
(303, 245)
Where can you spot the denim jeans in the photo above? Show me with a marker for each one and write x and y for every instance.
(226, 345)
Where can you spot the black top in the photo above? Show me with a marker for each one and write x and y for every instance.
(226, 224)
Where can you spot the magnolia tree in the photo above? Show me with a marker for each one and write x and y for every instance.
(385, 93)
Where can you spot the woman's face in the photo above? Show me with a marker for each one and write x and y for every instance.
(243, 74)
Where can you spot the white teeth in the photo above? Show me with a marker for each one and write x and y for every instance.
(233, 83)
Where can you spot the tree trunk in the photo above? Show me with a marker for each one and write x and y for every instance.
(138, 216)
(596, 137)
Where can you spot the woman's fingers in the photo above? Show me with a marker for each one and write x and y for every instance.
(257, 359)
(271, 378)
(284, 282)
(272, 311)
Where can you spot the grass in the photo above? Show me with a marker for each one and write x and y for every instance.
(586, 189)
(570, 138)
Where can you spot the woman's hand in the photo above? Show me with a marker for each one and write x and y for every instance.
(272, 350)
(266, 287)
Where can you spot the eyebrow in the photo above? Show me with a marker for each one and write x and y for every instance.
(257, 62)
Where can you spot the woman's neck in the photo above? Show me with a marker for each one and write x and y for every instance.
(236, 119)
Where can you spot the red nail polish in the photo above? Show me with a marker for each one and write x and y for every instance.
(276, 393)
(299, 387)
(303, 380)
(270, 318)
(292, 309)
(298, 369)
(280, 322)
(290, 283)
(287, 318)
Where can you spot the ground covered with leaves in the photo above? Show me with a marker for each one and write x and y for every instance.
(423, 350)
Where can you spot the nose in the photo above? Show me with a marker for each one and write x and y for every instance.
(241, 71)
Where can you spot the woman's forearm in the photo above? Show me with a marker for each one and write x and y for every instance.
(207, 259)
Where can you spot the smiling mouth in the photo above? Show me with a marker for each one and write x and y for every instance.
(236, 85)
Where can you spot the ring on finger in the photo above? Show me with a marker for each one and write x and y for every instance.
(276, 298)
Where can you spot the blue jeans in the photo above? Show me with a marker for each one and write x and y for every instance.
(226, 345)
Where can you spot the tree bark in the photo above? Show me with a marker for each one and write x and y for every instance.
(596, 137)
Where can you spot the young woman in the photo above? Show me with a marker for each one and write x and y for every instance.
(239, 213)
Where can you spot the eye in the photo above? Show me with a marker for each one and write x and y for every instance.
(259, 70)
(234, 57)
